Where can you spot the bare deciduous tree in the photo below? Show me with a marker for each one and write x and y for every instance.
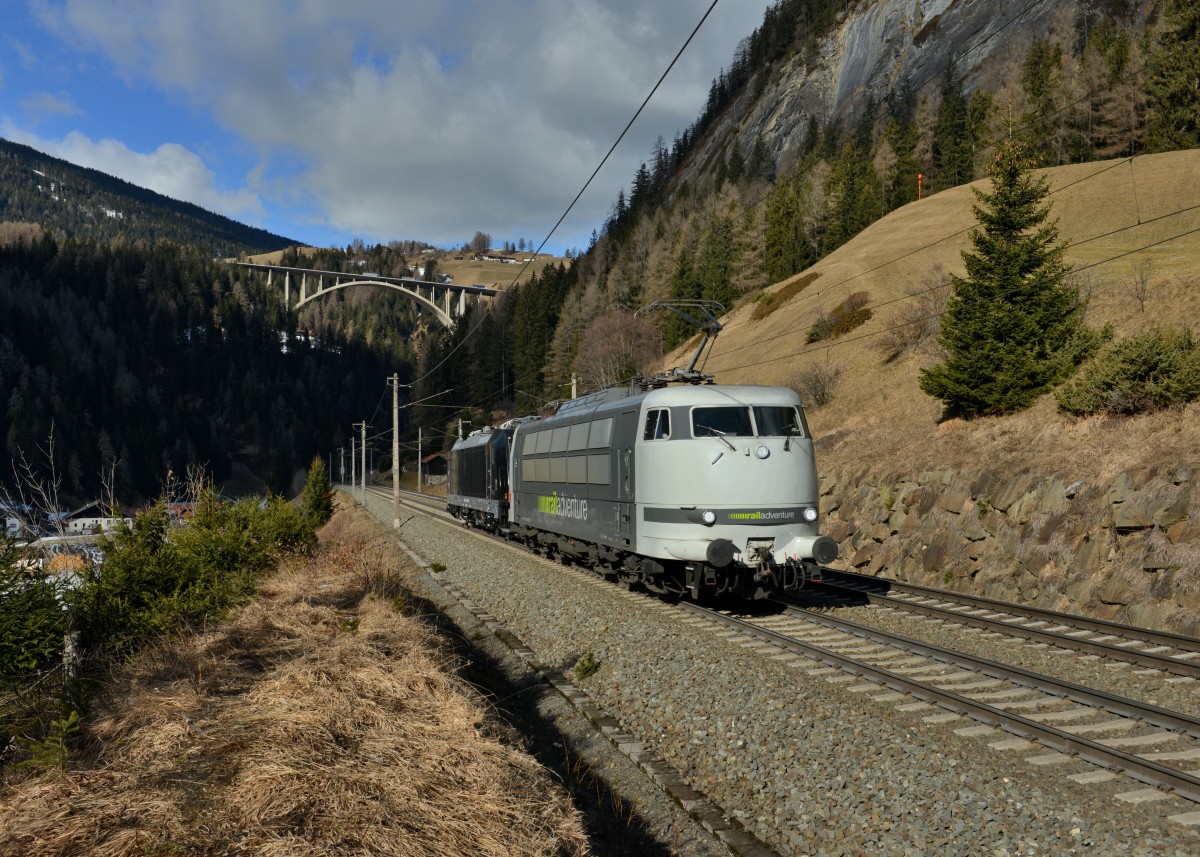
(916, 322)
(35, 500)
(1138, 284)
(816, 384)
(615, 346)
(481, 242)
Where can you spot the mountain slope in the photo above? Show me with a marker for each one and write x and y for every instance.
(1095, 515)
(77, 202)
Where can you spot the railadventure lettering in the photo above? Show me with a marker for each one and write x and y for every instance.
(761, 516)
(563, 507)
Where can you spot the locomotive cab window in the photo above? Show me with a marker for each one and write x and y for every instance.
(775, 421)
(658, 425)
(725, 420)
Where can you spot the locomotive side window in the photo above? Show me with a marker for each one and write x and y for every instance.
(778, 421)
(577, 469)
(721, 421)
(543, 441)
(599, 469)
(601, 433)
(541, 470)
(528, 444)
(527, 470)
(578, 437)
(559, 440)
(658, 425)
(558, 469)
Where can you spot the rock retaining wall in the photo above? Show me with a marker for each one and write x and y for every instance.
(1125, 550)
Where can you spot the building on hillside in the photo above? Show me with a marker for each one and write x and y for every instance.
(434, 468)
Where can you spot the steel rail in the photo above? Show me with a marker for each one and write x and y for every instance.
(1158, 661)
(1100, 626)
(1120, 705)
(1144, 770)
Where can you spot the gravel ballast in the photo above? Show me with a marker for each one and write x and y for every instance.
(802, 762)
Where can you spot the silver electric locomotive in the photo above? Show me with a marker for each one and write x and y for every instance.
(699, 489)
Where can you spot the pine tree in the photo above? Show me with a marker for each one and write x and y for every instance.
(684, 287)
(1013, 327)
(317, 497)
(714, 262)
(786, 247)
(1174, 87)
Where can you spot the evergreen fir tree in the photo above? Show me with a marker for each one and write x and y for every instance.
(1013, 327)
(714, 262)
(786, 247)
(317, 498)
(1174, 88)
(684, 287)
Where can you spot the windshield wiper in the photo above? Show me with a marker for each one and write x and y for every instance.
(719, 435)
(787, 441)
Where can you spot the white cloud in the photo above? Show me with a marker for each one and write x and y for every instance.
(171, 169)
(44, 105)
(425, 120)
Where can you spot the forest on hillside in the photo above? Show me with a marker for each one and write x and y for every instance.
(138, 361)
(726, 228)
(77, 202)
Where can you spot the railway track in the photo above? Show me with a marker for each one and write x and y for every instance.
(919, 676)
(1047, 719)
(1175, 654)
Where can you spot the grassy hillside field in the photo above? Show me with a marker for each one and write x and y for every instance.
(1118, 216)
(466, 271)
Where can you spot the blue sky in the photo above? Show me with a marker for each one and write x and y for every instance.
(381, 119)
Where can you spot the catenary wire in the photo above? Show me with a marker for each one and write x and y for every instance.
(599, 166)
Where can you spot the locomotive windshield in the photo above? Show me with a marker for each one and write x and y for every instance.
(724, 420)
(769, 420)
(775, 421)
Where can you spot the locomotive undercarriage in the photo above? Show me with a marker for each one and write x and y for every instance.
(676, 579)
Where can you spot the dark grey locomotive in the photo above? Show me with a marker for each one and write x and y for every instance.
(698, 490)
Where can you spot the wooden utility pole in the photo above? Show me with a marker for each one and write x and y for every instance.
(419, 430)
(352, 465)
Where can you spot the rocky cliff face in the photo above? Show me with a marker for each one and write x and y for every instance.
(876, 47)
(1127, 549)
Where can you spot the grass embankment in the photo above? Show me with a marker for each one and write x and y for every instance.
(882, 421)
(319, 720)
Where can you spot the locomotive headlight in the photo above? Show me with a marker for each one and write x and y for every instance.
(709, 517)
(761, 450)
(810, 514)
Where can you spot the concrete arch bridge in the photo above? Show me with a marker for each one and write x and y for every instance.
(447, 301)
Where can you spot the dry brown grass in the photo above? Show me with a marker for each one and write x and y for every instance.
(880, 417)
(319, 722)
(467, 271)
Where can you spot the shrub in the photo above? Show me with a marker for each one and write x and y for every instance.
(846, 316)
(916, 322)
(156, 577)
(586, 666)
(1146, 372)
(816, 384)
(32, 619)
(768, 302)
